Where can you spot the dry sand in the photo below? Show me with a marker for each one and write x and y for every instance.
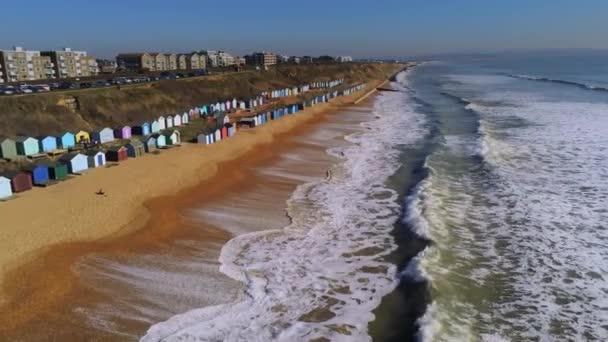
(53, 226)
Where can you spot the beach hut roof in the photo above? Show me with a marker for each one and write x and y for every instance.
(11, 174)
(31, 167)
(116, 148)
(22, 138)
(92, 153)
(135, 143)
(69, 156)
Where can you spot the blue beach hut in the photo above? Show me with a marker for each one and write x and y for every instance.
(39, 173)
(66, 141)
(154, 127)
(47, 143)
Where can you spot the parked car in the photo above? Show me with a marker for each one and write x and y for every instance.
(41, 88)
(69, 85)
(7, 90)
(54, 86)
(101, 83)
(85, 85)
(121, 80)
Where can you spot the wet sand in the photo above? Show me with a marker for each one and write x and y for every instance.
(124, 283)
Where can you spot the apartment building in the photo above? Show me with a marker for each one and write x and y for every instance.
(171, 61)
(261, 58)
(192, 61)
(19, 65)
(344, 59)
(135, 62)
(218, 58)
(161, 61)
(69, 64)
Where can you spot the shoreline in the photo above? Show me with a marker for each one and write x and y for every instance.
(142, 212)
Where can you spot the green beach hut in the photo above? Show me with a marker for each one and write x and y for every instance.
(57, 171)
(8, 148)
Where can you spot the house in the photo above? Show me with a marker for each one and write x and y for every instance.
(76, 162)
(154, 127)
(149, 144)
(161, 140)
(135, 149)
(117, 154)
(82, 137)
(226, 120)
(5, 188)
(27, 146)
(172, 137)
(122, 133)
(177, 120)
(47, 143)
(38, 172)
(95, 158)
(8, 148)
(57, 171)
(169, 121)
(104, 135)
(20, 181)
(162, 123)
(143, 129)
(218, 135)
(66, 141)
(185, 119)
(136, 62)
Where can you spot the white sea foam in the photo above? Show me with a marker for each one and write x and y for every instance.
(521, 245)
(322, 275)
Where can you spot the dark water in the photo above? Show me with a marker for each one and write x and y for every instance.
(503, 234)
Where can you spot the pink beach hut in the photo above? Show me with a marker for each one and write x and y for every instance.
(177, 120)
(123, 133)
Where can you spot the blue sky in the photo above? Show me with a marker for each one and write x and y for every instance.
(359, 28)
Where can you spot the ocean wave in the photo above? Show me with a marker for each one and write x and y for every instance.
(321, 276)
(558, 81)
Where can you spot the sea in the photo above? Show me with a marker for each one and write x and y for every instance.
(470, 204)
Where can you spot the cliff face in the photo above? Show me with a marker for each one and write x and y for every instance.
(53, 113)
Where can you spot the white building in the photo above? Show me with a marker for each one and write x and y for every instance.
(344, 59)
(218, 58)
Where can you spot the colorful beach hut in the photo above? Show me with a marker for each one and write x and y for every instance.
(143, 129)
(122, 133)
(185, 118)
(82, 137)
(20, 181)
(27, 146)
(38, 172)
(47, 143)
(117, 154)
(161, 140)
(66, 141)
(218, 135)
(5, 188)
(205, 110)
(169, 121)
(76, 162)
(172, 137)
(135, 149)
(149, 144)
(162, 123)
(154, 127)
(57, 171)
(95, 158)
(177, 120)
(102, 136)
(8, 148)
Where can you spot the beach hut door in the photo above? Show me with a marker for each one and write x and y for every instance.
(99, 160)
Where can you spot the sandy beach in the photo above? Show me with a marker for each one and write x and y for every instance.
(140, 209)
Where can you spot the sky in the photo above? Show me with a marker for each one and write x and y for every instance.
(372, 28)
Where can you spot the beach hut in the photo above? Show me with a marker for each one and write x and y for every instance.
(162, 123)
(27, 146)
(122, 133)
(82, 137)
(172, 137)
(242, 105)
(5, 188)
(38, 172)
(76, 162)
(102, 136)
(57, 171)
(161, 140)
(218, 135)
(177, 120)
(149, 144)
(185, 118)
(20, 181)
(8, 148)
(154, 127)
(135, 149)
(205, 110)
(67, 140)
(47, 143)
(224, 132)
(143, 129)
(222, 107)
(168, 122)
(95, 159)
(192, 113)
(117, 154)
